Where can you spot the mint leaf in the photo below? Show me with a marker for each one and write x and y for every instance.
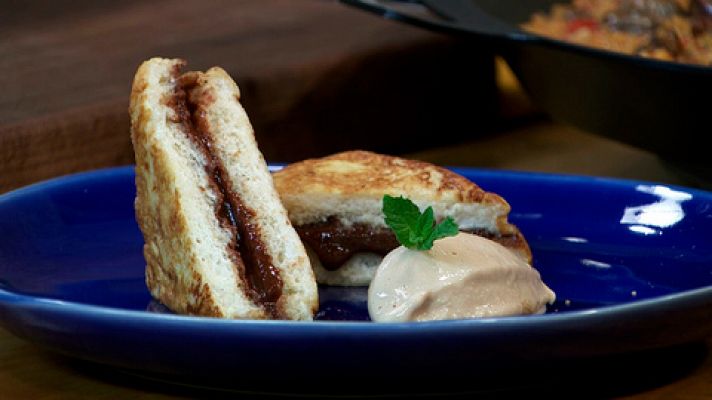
(413, 229)
(446, 228)
(425, 224)
(402, 216)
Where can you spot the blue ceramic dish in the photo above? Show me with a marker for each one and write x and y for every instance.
(631, 263)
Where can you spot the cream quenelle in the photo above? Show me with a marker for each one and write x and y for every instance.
(463, 276)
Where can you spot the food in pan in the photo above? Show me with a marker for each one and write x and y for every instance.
(217, 239)
(335, 204)
(669, 30)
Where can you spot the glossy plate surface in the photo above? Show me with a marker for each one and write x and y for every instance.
(631, 263)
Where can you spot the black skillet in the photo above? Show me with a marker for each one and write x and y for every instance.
(659, 106)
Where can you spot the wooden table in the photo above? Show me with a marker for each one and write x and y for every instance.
(316, 77)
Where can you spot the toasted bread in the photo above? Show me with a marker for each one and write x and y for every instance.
(218, 241)
(344, 191)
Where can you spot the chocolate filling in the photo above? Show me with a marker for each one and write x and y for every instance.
(254, 266)
(334, 243)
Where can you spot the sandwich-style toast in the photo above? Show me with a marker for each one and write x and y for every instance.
(218, 241)
(335, 205)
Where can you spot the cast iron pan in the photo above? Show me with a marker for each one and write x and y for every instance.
(659, 106)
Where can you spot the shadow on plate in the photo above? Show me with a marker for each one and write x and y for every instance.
(335, 304)
(603, 377)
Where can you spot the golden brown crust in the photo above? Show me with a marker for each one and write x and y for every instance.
(517, 243)
(355, 175)
(363, 172)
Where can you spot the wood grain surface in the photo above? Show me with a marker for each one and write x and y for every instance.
(316, 77)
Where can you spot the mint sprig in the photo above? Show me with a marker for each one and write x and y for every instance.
(413, 229)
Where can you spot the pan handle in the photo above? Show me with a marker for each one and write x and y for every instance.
(409, 11)
(449, 16)
(467, 15)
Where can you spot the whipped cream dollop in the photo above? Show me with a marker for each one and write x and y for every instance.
(464, 276)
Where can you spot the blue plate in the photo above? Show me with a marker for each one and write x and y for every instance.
(631, 263)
